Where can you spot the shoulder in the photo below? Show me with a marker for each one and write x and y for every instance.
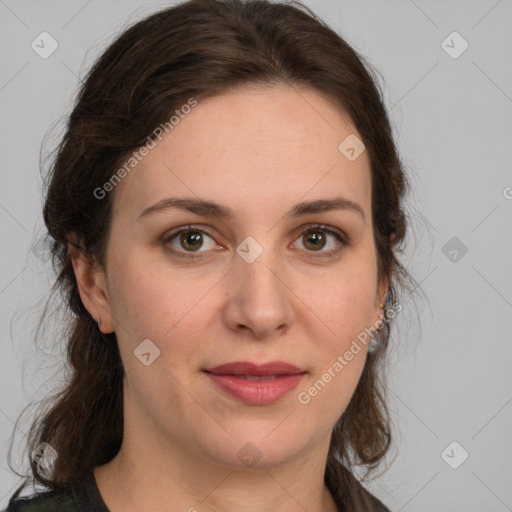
(82, 497)
(366, 501)
(45, 502)
(370, 502)
(349, 492)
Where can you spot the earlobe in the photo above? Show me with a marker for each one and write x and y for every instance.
(380, 301)
(90, 279)
(383, 289)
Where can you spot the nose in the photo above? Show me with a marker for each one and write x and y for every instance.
(259, 299)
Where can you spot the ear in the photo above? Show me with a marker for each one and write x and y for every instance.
(91, 285)
(382, 292)
(383, 288)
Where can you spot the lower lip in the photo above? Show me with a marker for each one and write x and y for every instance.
(256, 391)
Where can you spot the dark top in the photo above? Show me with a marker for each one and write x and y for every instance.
(86, 497)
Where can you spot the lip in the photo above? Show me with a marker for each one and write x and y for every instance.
(248, 368)
(229, 378)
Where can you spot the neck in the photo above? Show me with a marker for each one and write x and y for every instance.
(129, 483)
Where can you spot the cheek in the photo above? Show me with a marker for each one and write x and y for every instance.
(328, 393)
(346, 306)
(152, 302)
(341, 357)
(145, 303)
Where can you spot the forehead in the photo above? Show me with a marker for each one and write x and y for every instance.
(251, 147)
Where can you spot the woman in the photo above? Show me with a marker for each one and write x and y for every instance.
(226, 210)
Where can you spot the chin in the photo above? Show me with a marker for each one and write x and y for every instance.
(261, 444)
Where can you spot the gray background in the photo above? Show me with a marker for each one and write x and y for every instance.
(448, 377)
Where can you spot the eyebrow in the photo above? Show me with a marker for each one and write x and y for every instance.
(213, 209)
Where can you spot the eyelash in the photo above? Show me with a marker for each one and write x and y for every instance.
(343, 240)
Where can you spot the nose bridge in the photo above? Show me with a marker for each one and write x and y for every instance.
(258, 266)
(262, 297)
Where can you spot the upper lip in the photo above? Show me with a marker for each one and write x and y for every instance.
(248, 368)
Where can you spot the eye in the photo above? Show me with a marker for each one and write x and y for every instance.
(191, 239)
(315, 238)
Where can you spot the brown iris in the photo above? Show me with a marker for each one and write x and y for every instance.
(316, 237)
(193, 239)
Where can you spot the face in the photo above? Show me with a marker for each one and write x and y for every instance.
(255, 286)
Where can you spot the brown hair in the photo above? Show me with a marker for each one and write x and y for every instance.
(195, 49)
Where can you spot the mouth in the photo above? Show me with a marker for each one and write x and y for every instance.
(247, 368)
(256, 384)
(256, 377)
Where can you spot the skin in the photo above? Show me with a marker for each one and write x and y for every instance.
(259, 151)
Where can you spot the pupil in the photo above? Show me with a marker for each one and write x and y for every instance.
(192, 238)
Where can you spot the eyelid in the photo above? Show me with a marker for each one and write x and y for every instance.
(342, 238)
